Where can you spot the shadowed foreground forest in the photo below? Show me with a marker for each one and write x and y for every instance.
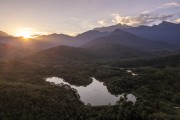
(25, 95)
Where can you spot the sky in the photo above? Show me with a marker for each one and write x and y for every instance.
(77, 16)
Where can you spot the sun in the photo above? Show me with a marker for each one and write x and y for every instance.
(25, 33)
(28, 33)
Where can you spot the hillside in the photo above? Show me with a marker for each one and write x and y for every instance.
(8, 52)
(61, 54)
(165, 31)
(120, 43)
(112, 28)
(156, 62)
(55, 40)
(75, 41)
(52, 40)
(112, 50)
(3, 34)
(90, 35)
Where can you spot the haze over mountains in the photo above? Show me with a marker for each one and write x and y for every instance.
(120, 41)
(3, 34)
(113, 41)
(165, 31)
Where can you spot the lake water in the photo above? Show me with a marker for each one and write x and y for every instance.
(133, 74)
(95, 93)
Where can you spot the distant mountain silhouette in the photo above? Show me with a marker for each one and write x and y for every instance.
(90, 35)
(127, 40)
(76, 41)
(3, 34)
(49, 41)
(165, 31)
(31, 44)
(112, 28)
(57, 39)
(120, 43)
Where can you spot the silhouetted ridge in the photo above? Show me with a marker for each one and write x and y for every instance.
(165, 32)
(3, 34)
(112, 28)
(166, 23)
(61, 54)
(119, 32)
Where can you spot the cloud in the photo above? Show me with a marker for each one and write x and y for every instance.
(146, 12)
(70, 33)
(146, 17)
(169, 5)
(177, 20)
(38, 33)
(172, 4)
(102, 22)
(140, 19)
(128, 20)
(162, 6)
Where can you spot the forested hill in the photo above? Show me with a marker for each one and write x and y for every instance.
(159, 62)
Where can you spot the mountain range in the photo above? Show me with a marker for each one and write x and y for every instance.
(118, 41)
(165, 31)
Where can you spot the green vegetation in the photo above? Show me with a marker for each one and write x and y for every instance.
(25, 95)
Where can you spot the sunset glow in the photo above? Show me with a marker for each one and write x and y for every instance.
(56, 17)
(25, 33)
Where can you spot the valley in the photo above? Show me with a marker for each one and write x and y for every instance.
(117, 75)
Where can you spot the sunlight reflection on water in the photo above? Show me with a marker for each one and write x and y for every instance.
(95, 93)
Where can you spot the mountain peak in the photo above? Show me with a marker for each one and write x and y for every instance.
(119, 31)
(112, 28)
(89, 32)
(3, 34)
(166, 23)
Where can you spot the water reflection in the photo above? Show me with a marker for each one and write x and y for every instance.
(95, 93)
(133, 74)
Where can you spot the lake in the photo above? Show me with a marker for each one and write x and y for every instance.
(95, 93)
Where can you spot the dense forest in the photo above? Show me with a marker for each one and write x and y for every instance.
(25, 95)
